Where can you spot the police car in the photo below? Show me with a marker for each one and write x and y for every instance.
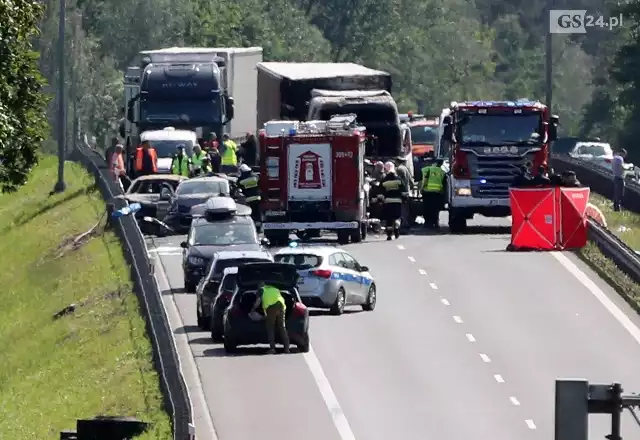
(330, 278)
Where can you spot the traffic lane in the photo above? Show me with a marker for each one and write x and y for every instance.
(532, 318)
(405, 370)
(250, 395)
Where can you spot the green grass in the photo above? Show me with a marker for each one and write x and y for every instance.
(95, 361)
(624, 224)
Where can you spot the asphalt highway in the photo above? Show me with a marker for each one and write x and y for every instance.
(465, 343)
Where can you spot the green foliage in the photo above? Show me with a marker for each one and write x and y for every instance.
(23, 123)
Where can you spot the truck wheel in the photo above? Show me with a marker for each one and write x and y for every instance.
(457, 223)
(343, 236)
(356, 235)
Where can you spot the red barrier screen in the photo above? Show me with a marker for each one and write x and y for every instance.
(533, 211)
(572, 204)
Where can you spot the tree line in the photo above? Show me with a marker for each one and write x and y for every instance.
(436, 50)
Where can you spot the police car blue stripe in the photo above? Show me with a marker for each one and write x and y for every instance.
(351, 278)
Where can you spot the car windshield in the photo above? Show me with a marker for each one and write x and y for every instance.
(594, 149)
(191, 187)
(166, 148)
(224, 233)
(498, 129)
(300, 261)
(150, 186)
(424, 134)
(229, 282)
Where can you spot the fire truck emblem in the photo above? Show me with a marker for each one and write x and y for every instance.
(309, 171)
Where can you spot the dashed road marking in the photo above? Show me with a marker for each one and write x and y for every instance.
(413, 260)
(514, 401)
(400, 247)
(470, 337)
(530, 424)
(422, 271)
(484, 358)
(498, 378)
(434, 286)
(445, 301)
(457, 319)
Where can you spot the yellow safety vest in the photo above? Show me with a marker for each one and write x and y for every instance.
(180, 167)
(251, 184)
(432, 182)
(229, 156)
(196, 159)
(270, 296)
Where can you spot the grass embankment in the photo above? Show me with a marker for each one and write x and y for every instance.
(94, 361)
(626, 226)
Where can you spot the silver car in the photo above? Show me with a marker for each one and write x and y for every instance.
(330, 278)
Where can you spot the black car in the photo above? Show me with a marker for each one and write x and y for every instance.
(221, 227)
(190, 193)
(241, 329)
(208, 290)
(227, 288)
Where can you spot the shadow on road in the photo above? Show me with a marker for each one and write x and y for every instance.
(201, 341)
(322, 312)
(246, 351)
(188, 329)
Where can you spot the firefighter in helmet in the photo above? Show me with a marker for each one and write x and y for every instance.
(394, 193)
(248, 183)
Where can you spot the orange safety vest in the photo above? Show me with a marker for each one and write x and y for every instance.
(154, 159)
(118, 165)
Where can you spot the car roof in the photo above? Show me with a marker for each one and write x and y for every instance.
(198, 221)
(230, 255)
(208, 179)
(230, 270)
(175, 177)
(321, 251)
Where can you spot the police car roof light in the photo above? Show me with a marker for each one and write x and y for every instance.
(293, 244)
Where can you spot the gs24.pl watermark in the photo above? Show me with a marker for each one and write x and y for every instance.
(575, 21)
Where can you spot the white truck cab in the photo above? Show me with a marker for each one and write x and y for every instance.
(166, 142)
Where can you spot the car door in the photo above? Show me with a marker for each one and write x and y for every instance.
(353, 278)
(337, 263)
(185, 250)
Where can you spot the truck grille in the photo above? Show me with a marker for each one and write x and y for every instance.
(493, 175)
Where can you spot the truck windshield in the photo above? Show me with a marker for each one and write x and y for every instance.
(499, 129)
(168, 148)
(423, 134)
(366, 114)
(191, 112)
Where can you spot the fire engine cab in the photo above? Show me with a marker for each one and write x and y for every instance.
(312, 179)
(486, 144)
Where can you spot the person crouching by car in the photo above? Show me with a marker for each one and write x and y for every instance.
(272, 302)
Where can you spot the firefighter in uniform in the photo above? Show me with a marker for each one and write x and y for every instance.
(394, 193)
(180, 163)
(248, 183)
(433, 184)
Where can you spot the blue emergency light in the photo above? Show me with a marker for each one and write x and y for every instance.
(292, 132)
(483, 180)
(293, 244)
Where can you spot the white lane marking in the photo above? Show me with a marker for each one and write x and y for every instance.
(470, 337)
(514, 401)
(623, 319)
(413, 260)
(400, 247)
(530, 424)
(484, 358)
(422, 271)
(498, 378)
(330, 399)
(184, 341)
(457, 319)
(445, 301)
(434, 286)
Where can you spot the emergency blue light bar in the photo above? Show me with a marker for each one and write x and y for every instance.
(523, 102)
(293, 244)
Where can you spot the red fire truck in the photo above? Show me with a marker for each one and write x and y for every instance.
(487, 143)
(312, 179)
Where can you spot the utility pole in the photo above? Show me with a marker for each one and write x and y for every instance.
(62, 119)
(548, 52)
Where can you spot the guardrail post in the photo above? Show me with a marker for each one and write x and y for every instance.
(572, 409)
(192, 431)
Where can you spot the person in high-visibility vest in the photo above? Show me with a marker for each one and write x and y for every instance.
(180, 163)
(248, 183)
(275, 308)
(395, 192)
(146, 160)
(196, 159)
(433, 184)
(228, 152)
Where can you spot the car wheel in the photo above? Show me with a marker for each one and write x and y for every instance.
(189, 287)
(216, 334)
(229, 345)
(338, 306)
(372, 298)
(203, 322)
(303, 345)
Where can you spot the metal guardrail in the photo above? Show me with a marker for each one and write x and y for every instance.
(600, 181)
(165, 355)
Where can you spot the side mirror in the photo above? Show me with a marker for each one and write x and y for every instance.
(184, 245)
(229, 109)
(554, 121)
(265, 242)
(364, 269)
